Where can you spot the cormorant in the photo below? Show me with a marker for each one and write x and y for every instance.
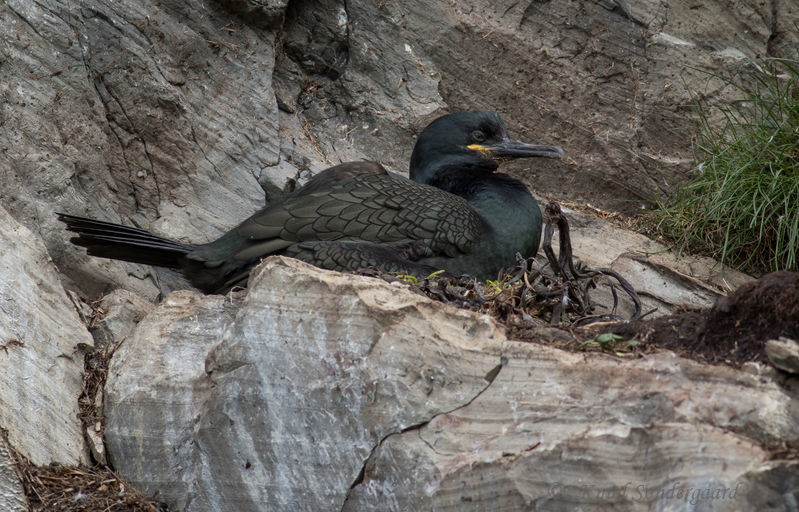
(454, 214)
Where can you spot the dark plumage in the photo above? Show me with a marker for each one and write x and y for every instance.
(455, 214)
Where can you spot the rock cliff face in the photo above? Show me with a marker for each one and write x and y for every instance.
(181, 117)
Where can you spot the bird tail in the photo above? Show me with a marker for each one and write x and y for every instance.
(118, 242)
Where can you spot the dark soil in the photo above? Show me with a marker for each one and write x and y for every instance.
(734, 330)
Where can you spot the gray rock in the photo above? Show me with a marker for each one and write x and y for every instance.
(136, 110)
(94, 438)
(559, 431)
(318, 391)
(313, 370)
(608, 80)
(168, 347)
(12, 494)
(119, 312)
(665, 281)
(265, 13)
(165, 114)
(784, 354)
(42, 344)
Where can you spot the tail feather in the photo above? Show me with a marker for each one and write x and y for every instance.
(115, 241)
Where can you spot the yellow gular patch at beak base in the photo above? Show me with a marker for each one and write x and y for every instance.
(485, 150)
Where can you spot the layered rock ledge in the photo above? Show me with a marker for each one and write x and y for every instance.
(316, 390)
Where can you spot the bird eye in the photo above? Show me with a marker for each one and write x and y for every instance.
(478, 136)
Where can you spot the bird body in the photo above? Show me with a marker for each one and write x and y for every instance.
(455, 214)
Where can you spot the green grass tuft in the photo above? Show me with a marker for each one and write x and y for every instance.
(743, 207)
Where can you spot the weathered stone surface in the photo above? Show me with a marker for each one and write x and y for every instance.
(137, 110)
(94, 439)
(120, 311)
(558, 431)
(168, 348)
(665, 281)
(311, 373)
(608, 80)
(41, 359)
(12, 495)
(265, 13)
(784, 354)
(314, 376)
(166, 114)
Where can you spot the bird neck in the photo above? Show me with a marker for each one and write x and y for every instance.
(460, 178)
(449, 170)
(474, 180)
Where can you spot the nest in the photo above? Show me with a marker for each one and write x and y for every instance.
(551, 290)
(57, 488)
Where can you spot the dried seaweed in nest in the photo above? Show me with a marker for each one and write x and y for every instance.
(574, 282)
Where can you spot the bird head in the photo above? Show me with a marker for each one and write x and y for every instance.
(474, 140)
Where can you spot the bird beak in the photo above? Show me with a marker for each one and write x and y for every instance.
(509, 148)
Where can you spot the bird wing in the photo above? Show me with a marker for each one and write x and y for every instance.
(328, 178)
(371, 207)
